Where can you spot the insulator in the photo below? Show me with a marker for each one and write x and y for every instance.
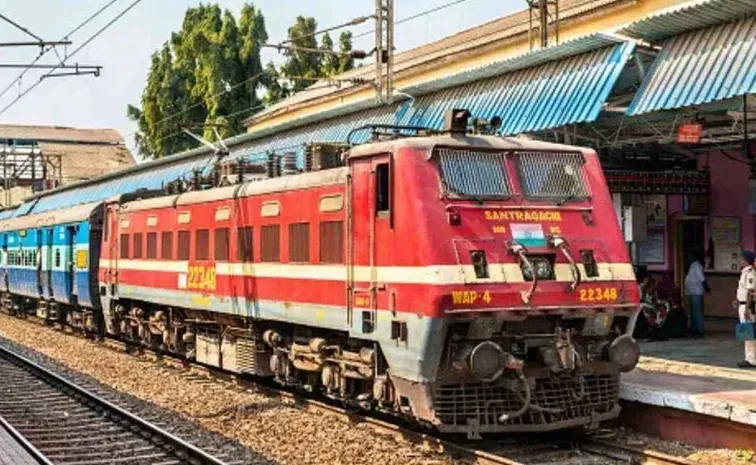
(277, 166)
(240, 170)
(197, 180)
(289, 164)
(308, 158)
(270, 165)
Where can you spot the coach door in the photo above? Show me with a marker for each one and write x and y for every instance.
(370, 233)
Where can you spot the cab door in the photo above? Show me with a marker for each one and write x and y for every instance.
(370, 234)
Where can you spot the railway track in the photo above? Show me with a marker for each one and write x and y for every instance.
(65, 424)
(523, 450)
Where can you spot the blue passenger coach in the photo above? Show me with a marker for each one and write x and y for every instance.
(49, 257)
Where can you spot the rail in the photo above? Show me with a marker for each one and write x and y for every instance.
(35, 453)
(484, 453)
(157, 435)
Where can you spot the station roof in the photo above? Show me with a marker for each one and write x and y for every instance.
(696, 14)
(704, 64)
(491, 34)
(84, 153)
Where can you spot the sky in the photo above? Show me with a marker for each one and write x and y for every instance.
(124, 49)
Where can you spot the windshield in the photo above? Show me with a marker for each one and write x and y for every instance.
(557, 176)
(473, 174)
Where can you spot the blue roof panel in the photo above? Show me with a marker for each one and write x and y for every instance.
(565, 91)
(699, 67)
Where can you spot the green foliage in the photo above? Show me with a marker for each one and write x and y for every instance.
(209, 73)
(346, 62)
(303, 68)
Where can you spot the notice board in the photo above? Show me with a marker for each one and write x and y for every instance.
(725, 232)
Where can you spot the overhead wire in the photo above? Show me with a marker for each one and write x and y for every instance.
(70, 55)
(20, 27)
(415, 16)
(65, 37)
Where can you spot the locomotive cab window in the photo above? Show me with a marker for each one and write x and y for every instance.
(382, 188)
(552, 176)
(473, 174)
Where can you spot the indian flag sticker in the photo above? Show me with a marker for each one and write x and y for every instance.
(529, 235)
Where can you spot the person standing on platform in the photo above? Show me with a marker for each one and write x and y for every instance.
(695, 287)
(746, 300)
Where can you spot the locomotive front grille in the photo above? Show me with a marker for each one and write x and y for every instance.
(555, 402)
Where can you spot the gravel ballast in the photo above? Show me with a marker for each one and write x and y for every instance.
(226, 416)
(248, 426)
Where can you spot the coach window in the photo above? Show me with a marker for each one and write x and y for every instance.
(57, 258)
(270, 243)
(166, 245)
(299, 242)
(332, 242)
(382, 188)
(125, 246)
(202, 244)
(137, 245)
(183, 245)
(221, 244)
(152, 245)
(244, 244)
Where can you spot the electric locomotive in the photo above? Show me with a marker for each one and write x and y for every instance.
(473, 283)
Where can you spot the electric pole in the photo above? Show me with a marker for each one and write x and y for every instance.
(545, 11)
(384, 50)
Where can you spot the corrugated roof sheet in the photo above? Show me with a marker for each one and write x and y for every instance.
(484, 35)
(530, 59)
(60, 133)
(149, 178)
(689, 16)
(570, 88)
(553, 94)
(699, 67)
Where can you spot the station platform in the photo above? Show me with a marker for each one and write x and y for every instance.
(691, 390)
(12, 453)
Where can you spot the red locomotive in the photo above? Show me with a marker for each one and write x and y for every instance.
(474, 283)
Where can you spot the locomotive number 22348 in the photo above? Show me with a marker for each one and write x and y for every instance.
(598, 294)
(201, 278)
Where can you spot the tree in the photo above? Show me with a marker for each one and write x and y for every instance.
(208, 75)
(303, 68)
(346, 62)
(330, 63)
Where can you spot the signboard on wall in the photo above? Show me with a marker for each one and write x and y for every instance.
(725, 232)
(689, 133)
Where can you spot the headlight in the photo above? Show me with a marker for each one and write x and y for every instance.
(624, 352)
(542, 266)
(487, 361)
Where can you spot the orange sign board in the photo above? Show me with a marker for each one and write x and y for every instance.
(689, 133)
